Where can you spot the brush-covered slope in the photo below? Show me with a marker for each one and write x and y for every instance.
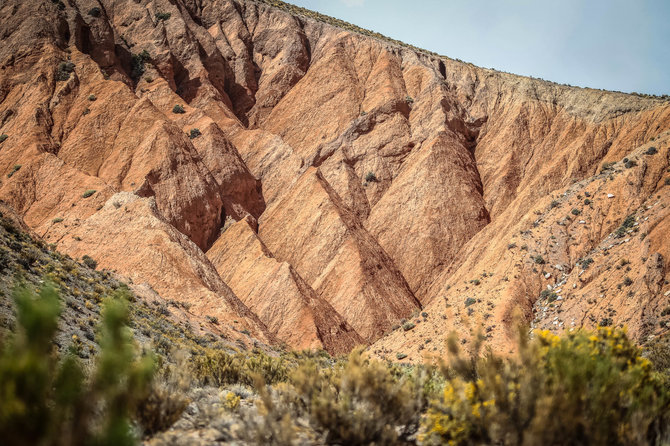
(375, 180)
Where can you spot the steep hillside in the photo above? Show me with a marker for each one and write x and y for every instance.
(304, 181)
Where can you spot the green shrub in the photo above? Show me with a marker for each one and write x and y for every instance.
(57, 220)
(92, 97)
(630, 164)
(64, 70)
(358, 402)
(88, 193)
(218, 368)
(89, 262)
(49, 400)
(585, 263)
(470, 301)
(3, 138)
(576, 211)
(539, 260)
(166, 399)
(582, 388)
(625, 226)
(137, 62)
(651, 151)
(407, 326)
(194, 133)
(178, 109)
(14, 170)
(163, 16)
(370, 177)
(94, 12)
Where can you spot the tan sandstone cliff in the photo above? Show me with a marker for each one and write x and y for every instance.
(337, 184)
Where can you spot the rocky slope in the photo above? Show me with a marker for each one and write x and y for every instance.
(309, 184)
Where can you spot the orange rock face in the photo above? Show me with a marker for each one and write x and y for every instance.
(318, 187)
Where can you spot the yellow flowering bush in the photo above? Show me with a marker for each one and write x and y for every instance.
(581, 388)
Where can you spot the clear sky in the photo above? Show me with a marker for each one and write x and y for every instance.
(612, 44)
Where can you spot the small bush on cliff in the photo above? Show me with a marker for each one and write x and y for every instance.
(14, 170)
(370, 177)
(3, 138)
(628, 223)
(137, 62)
(88, 193)
(178, 109)
(163, 16)
(49, 400)
(194, 133)
(89, 262)
(64, 70)
(94, 12)
(582, 388)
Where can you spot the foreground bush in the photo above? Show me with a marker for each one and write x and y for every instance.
(579, 389)
(47, 400)
(357, 401)
(218, 368)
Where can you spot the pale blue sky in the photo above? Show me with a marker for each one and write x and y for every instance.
(613, 44)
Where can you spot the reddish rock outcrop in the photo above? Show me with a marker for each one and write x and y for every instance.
(278, 295)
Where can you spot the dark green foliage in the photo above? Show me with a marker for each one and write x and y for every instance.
(630, 164)
(539, 260)
(178, 109)
(553, 204)
(94, 12)
(625, 226)
(370, 177)
(92, 97)
(89, 262)
(3, 138)
(549, 295)
(137, 63)
(587, 202)
(48, 400)
(88, 193)
(64, 70)
(576, 211)
(586, 262)
(627, 281)
(407, 326)
(162, 16)
(194, 133)
(470, 301)
(14, 170)
(651, 151)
